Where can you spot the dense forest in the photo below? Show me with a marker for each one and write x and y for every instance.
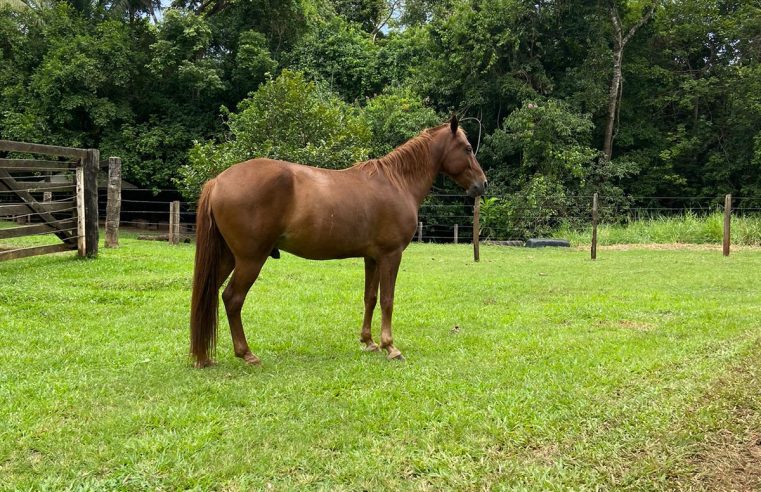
(561, 98)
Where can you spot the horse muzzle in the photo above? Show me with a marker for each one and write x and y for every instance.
(477, 189)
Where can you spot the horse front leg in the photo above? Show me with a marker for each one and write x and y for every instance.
(389, 267)
(371, 298)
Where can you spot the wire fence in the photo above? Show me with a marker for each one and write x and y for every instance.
(448, 218)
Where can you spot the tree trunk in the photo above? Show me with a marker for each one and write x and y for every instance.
(615, 92)
(613, 101)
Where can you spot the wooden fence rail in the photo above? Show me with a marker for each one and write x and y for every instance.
(79, 228)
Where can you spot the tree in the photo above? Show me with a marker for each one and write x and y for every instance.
(396, 116)
(342, 56)
(363, 12)
(288, 118)
(544, 137)
(620, 40)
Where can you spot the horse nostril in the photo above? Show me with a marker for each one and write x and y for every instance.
(486, 184)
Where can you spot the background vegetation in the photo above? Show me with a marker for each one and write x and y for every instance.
(624, 97)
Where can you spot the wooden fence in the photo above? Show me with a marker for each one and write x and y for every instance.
(66, 209)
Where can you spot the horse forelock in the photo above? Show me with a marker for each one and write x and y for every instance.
(410, 161)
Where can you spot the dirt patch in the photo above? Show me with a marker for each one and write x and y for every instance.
(729, 458)
(635, 325)
(731, 462)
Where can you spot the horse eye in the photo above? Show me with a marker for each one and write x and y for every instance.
(468, 149)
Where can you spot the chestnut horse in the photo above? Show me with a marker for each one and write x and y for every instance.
(258, 207)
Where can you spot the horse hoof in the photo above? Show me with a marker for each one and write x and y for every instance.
(200, 364)
(371, 347)
(252, 360)
(395, 355)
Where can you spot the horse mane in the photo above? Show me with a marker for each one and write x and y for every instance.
(410, 161)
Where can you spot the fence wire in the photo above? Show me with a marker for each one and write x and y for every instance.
(448, 217)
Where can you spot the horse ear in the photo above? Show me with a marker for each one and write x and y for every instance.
(453, 123)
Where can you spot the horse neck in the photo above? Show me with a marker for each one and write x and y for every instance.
(412, 167)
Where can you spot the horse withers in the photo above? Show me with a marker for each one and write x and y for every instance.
(256, 208)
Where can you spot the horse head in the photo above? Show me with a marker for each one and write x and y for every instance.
(458, 160)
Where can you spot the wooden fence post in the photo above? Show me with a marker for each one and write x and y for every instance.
(174, 222)
(114, 202)
(594, 226)
(47, 197)
(80, 182)
(91, 164)
(177, 237)
(170, 236)
(456, 227)
(477, 229)
(420, 232)
(727, 221)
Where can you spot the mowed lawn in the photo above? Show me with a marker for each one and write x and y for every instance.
(641, 370)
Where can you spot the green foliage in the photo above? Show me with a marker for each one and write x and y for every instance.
(366, 13)
(117, 76)
(178, 56)
(288, 118)
(544, 142)
(400, 57)
(470, 55)
(342, 56)
(551, 139)
(253, 62)
(151, 152)
(75, 79)
(396, 116)
(535, 210)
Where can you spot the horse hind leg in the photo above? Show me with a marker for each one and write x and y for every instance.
(234, 295)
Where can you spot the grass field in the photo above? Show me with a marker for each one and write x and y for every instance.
(639, 371)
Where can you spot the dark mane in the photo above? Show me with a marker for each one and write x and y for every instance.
(410, 161)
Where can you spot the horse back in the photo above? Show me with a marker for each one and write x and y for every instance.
(311, 212)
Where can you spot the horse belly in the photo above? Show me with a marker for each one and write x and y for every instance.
(334, 215)
(325, 237)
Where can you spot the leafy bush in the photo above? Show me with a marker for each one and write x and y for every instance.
(545, 138)
(536, 210)
(288, 118)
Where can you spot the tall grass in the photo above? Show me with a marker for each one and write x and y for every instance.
(688, 228)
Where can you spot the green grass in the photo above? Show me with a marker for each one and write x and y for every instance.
(25, 241)
(565, 373)
(688, 228)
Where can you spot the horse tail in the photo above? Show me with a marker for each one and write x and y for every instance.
(210, 246)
